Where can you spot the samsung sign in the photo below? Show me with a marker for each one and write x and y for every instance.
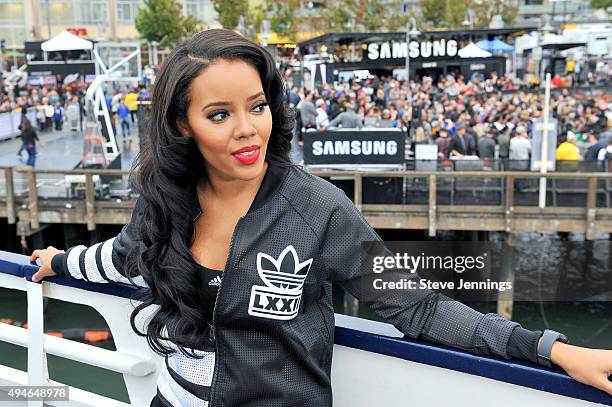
(353, 147)
(424, 49)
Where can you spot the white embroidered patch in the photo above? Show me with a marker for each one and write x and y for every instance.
(280, 297)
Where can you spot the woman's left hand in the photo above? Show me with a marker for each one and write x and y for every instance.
(588, 366)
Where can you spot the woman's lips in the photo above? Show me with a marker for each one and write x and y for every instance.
(247, 155)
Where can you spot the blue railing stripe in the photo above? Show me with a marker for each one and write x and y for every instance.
(509, 371)
(18, 265)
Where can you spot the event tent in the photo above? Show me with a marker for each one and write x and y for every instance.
(66, 41)
(494, 46)
(472, 51)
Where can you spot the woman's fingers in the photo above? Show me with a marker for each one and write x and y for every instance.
(39, 275)
(45, 257)
(606, 385)
(34, 256)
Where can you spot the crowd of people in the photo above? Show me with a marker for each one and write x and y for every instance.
(492, 118)
(48, 109)
(480, 117)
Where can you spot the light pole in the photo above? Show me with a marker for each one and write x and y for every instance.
(48, 20)
(546, 29)
(411, 31)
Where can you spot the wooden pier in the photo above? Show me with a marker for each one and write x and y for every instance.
(30, 210)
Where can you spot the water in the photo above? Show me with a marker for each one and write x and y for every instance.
(62, 315)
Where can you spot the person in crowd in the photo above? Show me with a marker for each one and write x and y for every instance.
(486, 145)
(595, 146)
(444, 144)
(605, 154)
(41, 118)
(372, 117)
(58, 116)
(73, 114)
(29, 139)
(520, 149)
(462, 143)
(348, 119)
(308, 111)
(123, 113)
(322, 121)
(115, 100)
(49, 112)
(568, 150)
(131, 100)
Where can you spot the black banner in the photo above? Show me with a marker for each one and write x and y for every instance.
(354, 147)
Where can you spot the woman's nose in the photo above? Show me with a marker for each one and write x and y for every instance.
(244, 127)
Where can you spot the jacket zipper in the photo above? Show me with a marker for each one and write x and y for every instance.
(212, 336)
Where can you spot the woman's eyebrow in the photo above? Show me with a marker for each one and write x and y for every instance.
(255, 96)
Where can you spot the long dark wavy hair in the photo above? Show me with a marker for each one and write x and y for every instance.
(166, 174)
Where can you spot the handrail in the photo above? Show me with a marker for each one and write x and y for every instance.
(114, 302)
(377, 337)
(344, 173)
(371, 336)
(120, 362)
(461, 174)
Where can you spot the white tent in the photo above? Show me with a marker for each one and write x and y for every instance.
(472, 51)
(66, 41)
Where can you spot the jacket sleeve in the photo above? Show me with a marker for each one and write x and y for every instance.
(103, 262)
(417, 313)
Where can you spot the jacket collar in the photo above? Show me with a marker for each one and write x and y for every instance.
(275, 175)
(273, 179)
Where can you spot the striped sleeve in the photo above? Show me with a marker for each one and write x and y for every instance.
(101, 263)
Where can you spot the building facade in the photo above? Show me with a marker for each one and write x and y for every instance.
(37, 20)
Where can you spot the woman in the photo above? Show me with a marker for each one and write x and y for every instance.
(28, 140)
(239, 248)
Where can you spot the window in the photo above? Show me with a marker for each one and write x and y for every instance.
(11, 12)
(14, 35)
(127, 10)
(91, 11)
(202, 10)
(59, 12)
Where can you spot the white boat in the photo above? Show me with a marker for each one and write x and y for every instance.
(373, 364)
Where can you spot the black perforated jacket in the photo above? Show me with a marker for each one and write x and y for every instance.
(273, 324)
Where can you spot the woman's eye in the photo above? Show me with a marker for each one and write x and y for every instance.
(213, 115)
(262, 106)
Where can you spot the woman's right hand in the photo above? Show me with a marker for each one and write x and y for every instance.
(45, 256)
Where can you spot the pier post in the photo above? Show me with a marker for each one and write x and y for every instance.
(89, 202)
(433, 226)
(10, 196)
(509, 202)
(33, 199)
(505, 299)
(591, 208)
(358, 190)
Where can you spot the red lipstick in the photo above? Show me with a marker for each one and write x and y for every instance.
(247, 155)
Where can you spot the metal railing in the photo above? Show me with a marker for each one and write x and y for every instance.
(133, 357)
(509, 208)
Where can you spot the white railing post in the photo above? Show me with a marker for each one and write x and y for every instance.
(37, 360)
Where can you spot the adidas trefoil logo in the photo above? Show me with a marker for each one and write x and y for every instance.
(284, 278)
(215, 281)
